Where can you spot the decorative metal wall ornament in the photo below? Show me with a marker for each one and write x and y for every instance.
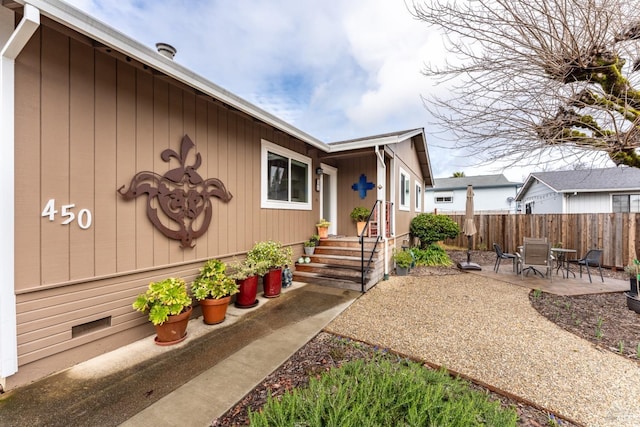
(362, 186)
(181, 194)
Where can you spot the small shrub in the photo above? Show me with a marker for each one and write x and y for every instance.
(359, 214)
(431, 228)
(383, 392)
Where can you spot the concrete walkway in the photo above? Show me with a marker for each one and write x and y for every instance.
(190, 383)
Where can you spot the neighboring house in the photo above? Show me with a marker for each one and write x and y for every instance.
(581, 191)
(123, 167)
(492, 193)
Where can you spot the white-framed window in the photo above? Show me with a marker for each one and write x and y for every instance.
(625, 203)
(418, 197)
(285, 178)
(405, 191)
(443, 197)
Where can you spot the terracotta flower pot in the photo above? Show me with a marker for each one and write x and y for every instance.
(323, 232)
(272, 283)
(174, 330)
(248, 287)
(214, 310)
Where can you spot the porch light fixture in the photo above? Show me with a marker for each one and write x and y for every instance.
(319, 171)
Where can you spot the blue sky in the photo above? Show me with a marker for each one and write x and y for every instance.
(336, 70)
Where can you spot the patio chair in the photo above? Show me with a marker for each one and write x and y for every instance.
(501, 255)
(591, 259)
(536, 257)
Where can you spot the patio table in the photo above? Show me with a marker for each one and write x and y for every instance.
(562, 260)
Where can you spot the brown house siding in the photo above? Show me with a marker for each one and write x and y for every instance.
(349, 171)
(406, 159)
(86, 122)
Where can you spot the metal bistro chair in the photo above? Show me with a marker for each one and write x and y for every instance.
(501, 255)
(536, 257)
(592, 258)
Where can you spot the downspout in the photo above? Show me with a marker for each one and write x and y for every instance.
(8, 327)
(380, 195)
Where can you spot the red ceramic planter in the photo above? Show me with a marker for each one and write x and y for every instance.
(248, 287)
(272, 283)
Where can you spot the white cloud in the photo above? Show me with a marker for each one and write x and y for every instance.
(337, 70)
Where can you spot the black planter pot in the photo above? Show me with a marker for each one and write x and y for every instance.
(633, 302)
(633, 286)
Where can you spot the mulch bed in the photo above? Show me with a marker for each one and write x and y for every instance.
(602, 319)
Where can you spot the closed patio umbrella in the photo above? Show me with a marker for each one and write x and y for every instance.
(469, 229)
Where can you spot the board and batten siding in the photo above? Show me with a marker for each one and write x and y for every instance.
(86, 122)
(349, 173)
(405, 157)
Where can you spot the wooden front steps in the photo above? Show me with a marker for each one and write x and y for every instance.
(336, 263)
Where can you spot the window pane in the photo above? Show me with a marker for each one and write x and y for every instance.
(634, 203)
(278, 170)
(620, 203)
(299, 174)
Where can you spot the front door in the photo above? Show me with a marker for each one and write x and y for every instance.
(329, 196)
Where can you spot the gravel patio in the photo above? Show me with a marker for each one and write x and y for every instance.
(486, 330)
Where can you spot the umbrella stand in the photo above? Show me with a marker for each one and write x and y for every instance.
(468, 265)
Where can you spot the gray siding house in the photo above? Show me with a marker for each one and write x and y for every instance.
(606, 190)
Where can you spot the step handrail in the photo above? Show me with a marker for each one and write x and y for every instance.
(364, 272)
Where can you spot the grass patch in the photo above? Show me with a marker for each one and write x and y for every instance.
(383, 392)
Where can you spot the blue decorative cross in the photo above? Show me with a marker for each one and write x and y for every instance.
(362, 186)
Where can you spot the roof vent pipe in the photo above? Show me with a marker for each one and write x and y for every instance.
(166, 50)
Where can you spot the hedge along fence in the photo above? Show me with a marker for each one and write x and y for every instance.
(618, 234)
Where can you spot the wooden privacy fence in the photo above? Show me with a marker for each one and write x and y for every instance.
(618, 234)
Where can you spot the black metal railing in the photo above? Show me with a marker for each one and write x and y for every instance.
(364, 271)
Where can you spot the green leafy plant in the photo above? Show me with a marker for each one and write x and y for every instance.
(403, 259)
(213, 282)
(270, 252)
(309, 244)
(599, 323)
(431, 228)
(433, 255)
(168, 297)
(360, 214)
(323, 223)
(241, 270)
(537, 293)
(315, 239)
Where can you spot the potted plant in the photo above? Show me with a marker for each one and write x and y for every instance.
(403, 261)
(633, 297)
(213, 288)
(315, 239)
(309, 247)
(246, 274)
(274, 255)
(359, 215)
(169, 306)
(323, 228)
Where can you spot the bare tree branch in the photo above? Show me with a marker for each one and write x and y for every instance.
(538, 77)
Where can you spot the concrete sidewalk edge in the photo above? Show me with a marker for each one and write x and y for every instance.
(222, 386)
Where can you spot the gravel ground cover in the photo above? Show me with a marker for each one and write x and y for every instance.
(544, 351)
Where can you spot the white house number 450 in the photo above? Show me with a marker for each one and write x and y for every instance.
(66, 212)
